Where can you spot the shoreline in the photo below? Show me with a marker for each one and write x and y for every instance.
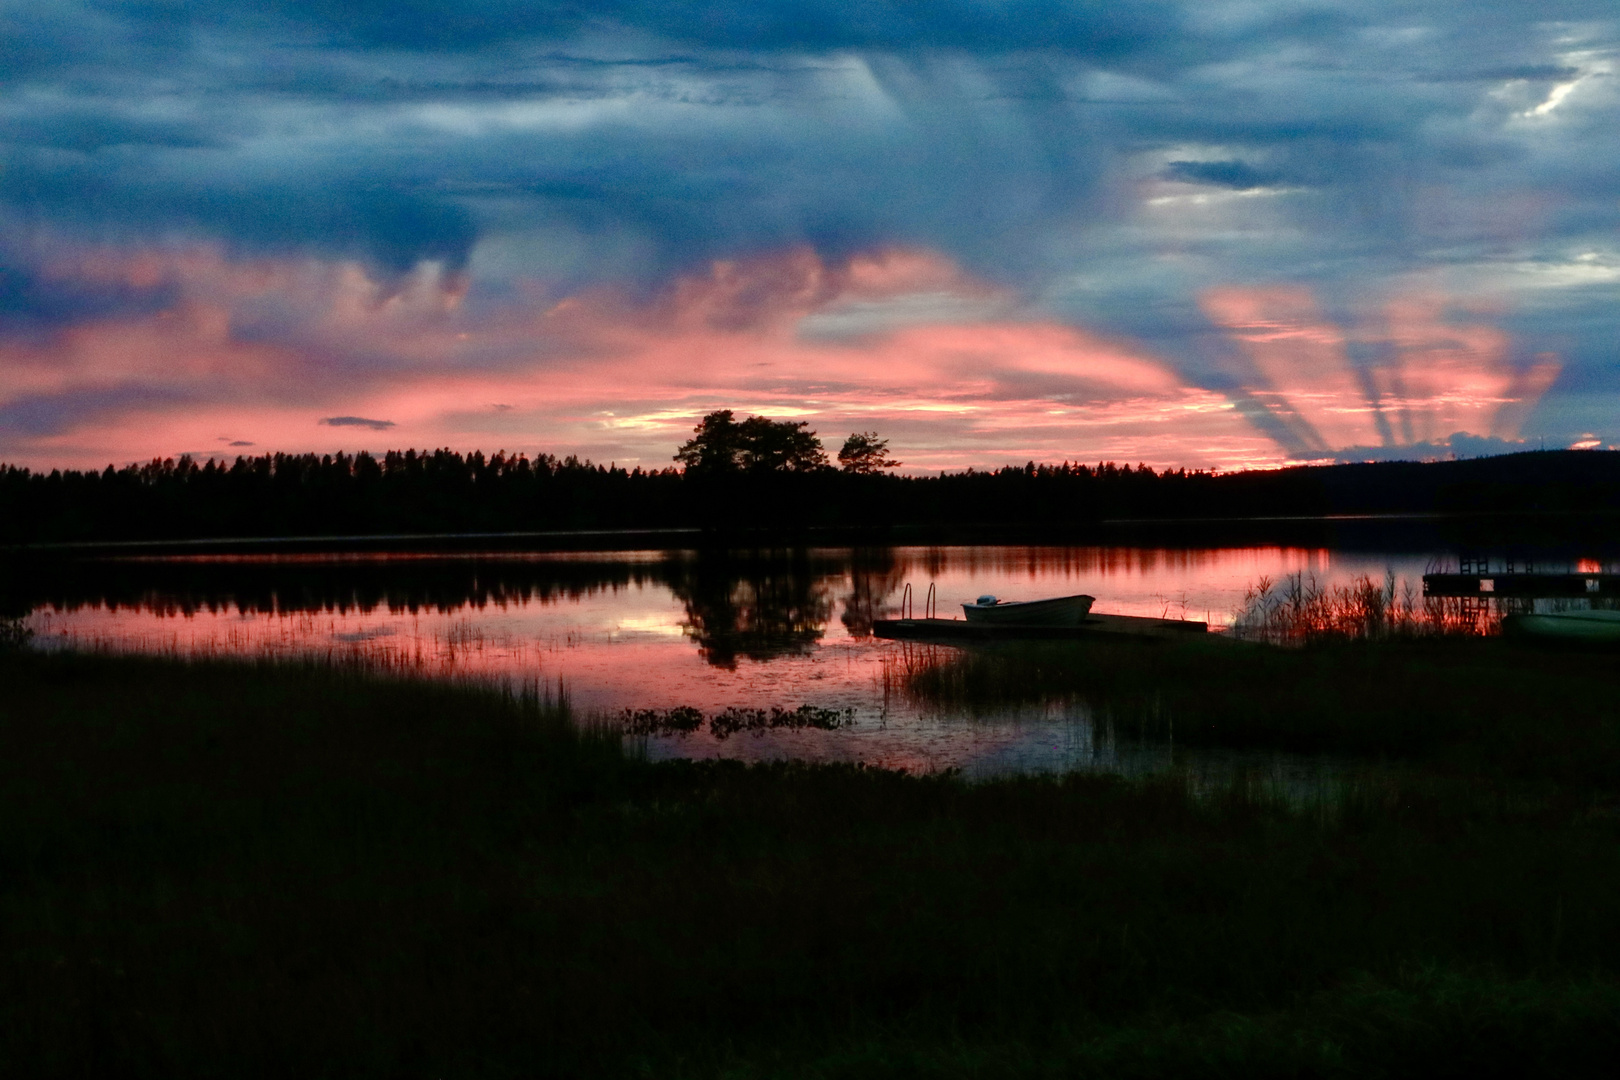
(1416, 531)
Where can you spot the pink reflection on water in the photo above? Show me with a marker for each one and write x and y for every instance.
(642, 633)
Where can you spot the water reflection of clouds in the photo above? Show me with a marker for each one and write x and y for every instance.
(735, 604)
(714, 630)
(653, 625)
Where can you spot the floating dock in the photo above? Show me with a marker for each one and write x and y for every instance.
(1093, 626)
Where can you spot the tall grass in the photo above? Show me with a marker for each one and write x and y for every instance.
(272, 869)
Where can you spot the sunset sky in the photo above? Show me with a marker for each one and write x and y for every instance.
(1211, 234)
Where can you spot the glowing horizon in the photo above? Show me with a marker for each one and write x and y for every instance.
(858, 346)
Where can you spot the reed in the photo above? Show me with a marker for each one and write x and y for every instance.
(1300, 609)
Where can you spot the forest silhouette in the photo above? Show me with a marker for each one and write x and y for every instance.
(414, 492)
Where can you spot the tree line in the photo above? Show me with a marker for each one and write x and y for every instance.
(736, 476)
(401, 492)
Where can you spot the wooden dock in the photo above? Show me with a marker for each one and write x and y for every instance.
(1521, 585)
(1094, 626)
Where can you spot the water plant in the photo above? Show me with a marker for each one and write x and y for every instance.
(685, 719)
(14, 635)
(679, 720)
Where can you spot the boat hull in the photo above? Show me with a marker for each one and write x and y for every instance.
(1056, 611)
(1566, 626)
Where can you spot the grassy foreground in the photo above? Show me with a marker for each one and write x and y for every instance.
(234, 869)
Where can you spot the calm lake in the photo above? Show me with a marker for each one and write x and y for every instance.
(703, 629)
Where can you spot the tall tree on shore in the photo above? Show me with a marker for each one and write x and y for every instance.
(865, 453)
(714, 446)
(720, 444)
(780, 446)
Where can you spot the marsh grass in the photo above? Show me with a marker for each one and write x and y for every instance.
(1301, 610)
(273, 869)
(1467, 704)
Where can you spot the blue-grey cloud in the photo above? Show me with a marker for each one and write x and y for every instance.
(357, 421)
(978, 127)
(1456, 446)
(53, 413)
(1233, 174)
(436, 25)
(33, 303)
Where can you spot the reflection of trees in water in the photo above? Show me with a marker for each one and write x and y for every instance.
(757, 606)
(738, 604)
(335, 585)
(449, 582)
(874, 575)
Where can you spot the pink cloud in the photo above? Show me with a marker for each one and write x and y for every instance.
(903, 342)
(1434, 376)
(1299, 368)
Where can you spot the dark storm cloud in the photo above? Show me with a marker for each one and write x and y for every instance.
(1098, 26)
(989, 125)
(123, 197)
(1233, 174)
(85, 128)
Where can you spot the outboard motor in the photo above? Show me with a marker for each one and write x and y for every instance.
(987, 600)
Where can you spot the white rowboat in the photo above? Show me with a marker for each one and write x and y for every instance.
(1056, 611)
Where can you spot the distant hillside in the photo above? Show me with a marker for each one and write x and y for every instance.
(410, 492)
(1551, 481)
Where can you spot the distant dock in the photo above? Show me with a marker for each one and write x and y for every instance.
(1524, 585)
(1094, 626)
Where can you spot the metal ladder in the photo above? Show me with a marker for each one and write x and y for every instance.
(930, 603)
